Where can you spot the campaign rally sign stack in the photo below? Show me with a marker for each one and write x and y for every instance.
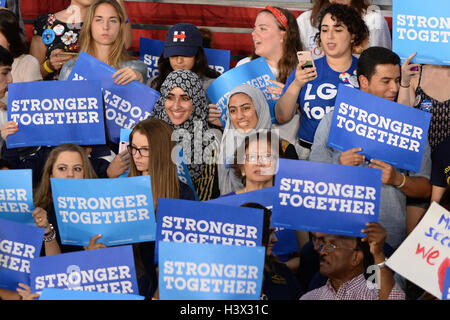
(422, 27)
(125, 105)
(308, 197)
(50, 113)
(209, 251)
(120, 209)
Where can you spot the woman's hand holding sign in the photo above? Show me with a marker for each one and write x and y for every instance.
(9, 128)
(214, 115)
(389, 175)
(126, 75)
(351, 157)
(409, 71)
(94, 245)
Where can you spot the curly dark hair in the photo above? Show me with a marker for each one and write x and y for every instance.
(201, 68)
(360, 6)
(350, 18)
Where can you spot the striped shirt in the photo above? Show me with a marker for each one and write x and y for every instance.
(356, 289)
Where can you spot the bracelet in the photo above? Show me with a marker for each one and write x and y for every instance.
(403, 182)
(51, 235)
(382, 264)
(405, 86)
(47, 68)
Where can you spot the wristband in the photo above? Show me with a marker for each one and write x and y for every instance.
(51, 235)
(403, 182)
(382, 264)
(405, 86)
(47, 68)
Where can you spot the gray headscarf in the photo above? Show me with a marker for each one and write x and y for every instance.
(228, 182)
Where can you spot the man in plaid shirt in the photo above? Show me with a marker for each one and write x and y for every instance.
(344, 260)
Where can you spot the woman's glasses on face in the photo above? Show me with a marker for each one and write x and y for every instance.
(144, 152)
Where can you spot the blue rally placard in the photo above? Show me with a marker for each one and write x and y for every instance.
(119, 209)
(103, 270)
(65, 294)
(50, 113)
(255, 73)
(19, 245)
(150, 50)
(16, 195)
(446, 287)
(385, 130)
(308, 197)
(422, 27)
(125, 105)
(287, 241)
(199, 222)
(190, 271)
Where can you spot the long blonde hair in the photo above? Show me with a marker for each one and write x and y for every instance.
(43, 196)
(163, 171)
(118, 52)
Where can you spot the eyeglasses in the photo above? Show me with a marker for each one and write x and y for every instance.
(263, 158)
(144, 152)
(331, 247)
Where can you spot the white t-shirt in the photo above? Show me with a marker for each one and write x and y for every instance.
(379, 33)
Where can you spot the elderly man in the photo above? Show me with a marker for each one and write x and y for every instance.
(344, 260)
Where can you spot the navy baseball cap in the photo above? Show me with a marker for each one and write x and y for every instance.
(183, 39)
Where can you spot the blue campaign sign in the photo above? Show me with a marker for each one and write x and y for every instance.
(309, 198)
(2, 3)
(446, 287)
(422, 27)
(65, 294)
(120, 209)
(218, 59)
(124, 137)
(183, 171)
(190, 271)
(287, 242)
(125, 105)
(16, 195)
(255, 73)
(385, 130)
(19, 245)
(104, 270)
(50, 113)
(199, 222)
(149, 52)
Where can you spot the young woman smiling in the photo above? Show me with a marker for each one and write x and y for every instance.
(341, 28)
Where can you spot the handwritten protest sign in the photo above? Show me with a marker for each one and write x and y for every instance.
(19, 245)
(125, 105)
(422, 27)
(64, 294)
(55, 112)
(150, 50)
(287, 241)
(385, 130)
(424, 256)
(200, 222)
(16, 195)
(121, 210)
(104, 270)
(190, 271)
(255, 73)
(309, 198)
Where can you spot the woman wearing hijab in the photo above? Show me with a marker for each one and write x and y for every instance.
(183, 105)
(247, 113)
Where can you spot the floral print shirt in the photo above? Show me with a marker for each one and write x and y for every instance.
(66, 35)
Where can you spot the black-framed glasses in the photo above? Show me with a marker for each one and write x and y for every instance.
(331, 247)
(144, 152)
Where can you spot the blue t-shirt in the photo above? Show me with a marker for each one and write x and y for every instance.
(317, 97)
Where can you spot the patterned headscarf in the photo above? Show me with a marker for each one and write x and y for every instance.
(197, 122)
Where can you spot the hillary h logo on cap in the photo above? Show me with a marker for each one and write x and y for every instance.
(179, 36)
